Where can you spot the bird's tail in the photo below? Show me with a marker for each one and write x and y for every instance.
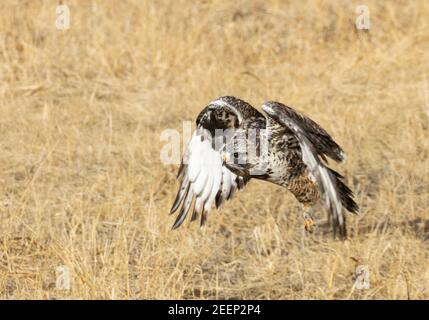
(345, 193)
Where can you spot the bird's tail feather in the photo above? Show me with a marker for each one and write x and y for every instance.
(346, 194)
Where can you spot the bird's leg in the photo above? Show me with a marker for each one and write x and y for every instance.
(308, 220)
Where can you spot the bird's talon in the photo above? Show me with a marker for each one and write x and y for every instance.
(225, 157)
(309, 225)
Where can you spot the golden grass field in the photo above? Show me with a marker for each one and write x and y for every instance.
(82, 183)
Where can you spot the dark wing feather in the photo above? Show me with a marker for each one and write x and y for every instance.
(314, 144)
(321, 140)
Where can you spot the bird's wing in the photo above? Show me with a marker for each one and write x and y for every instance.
(204, 178)
(315, 143)
(321, 140)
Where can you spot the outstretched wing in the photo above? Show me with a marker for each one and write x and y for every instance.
(322, 142)
(204, 178)
(315, 143)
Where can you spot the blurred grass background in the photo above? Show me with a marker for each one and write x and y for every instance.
(82, 184)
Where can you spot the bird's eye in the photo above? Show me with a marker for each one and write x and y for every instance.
(236, 155)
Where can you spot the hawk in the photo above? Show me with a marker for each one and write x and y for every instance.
(234, 142)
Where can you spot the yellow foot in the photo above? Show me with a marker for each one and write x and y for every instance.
(225, 156)
(309, 225)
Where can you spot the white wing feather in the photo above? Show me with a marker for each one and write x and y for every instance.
(204, 179)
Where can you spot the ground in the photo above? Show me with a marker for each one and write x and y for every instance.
(82, 186)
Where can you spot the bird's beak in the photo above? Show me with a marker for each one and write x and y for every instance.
(225, 157)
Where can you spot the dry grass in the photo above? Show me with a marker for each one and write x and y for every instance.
(82, 184)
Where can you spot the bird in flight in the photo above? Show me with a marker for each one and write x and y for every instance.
(234, 143)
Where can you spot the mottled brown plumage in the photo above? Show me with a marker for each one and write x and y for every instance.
(305, 190)
(234, 143)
